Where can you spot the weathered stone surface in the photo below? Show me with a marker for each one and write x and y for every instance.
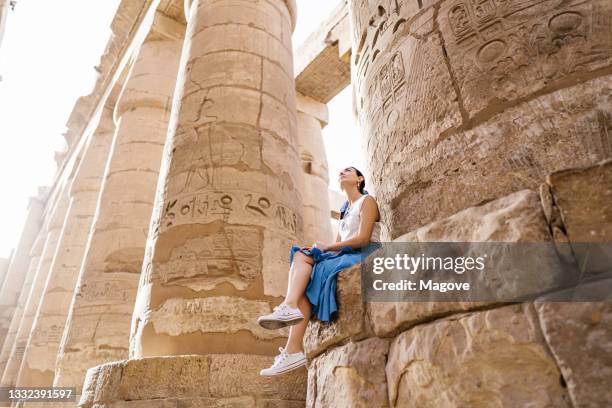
(229, 204)
(190, 380)
(109, 275)
(13, 283)
(46, 333)
(7, 347)
(238, 374)
(471, 360)
(579, 335)
(517, 217)
(352, 375)
(455, 130)
(350, 322)
(17, 365)
(218, 314)
(311, 117)
(322, 66)
(496, 60)
(584, 199)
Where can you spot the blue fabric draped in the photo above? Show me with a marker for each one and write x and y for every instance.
(321, 289)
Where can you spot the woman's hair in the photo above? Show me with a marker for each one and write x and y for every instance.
(362, 190)
(362, 184)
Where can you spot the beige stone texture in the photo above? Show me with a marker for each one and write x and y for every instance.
(54, 221)
(13, 284)
(351, 321)
(229, 203)
(459, 105)
(4, 265)
(517, 217)
(7, 347)
(97, 328)
(584, 199)
(47, 329)
(579, 335)
(492, 357)
(322, 61)
(191, 381)
(495, 62)
(312, 116)
(352, 375)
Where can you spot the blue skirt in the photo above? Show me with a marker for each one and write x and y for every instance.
(321, 290)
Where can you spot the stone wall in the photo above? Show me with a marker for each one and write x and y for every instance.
(435, 354)
(483, 120)
(477, 96)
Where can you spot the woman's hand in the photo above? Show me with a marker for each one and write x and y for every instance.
(323, 247)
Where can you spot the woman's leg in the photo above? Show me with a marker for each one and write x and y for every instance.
(296, 332)
(299, 276)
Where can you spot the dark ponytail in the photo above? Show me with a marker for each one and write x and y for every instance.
(362, 190)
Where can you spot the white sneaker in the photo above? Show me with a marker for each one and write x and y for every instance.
(283, 315)
(285, 362)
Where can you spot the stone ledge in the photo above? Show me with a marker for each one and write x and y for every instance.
(517, 217)
(350, 322)
(352, 375)
(211, 377)
(472, 359)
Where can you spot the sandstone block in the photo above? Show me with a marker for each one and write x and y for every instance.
(350, 321)
(517, 217)
(584, 198)
(192, 381)
(352, 375)
(579, 335)
(472, 360)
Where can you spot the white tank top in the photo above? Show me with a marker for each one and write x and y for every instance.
(349, 225)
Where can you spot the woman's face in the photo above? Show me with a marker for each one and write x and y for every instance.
(348, 177)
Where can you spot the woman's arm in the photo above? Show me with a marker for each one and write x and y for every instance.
(368, 216)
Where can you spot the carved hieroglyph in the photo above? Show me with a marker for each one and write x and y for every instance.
(41, 349)
(14, 281)
(97, 328)
(228, 205)
(54, 220)
(463, 101)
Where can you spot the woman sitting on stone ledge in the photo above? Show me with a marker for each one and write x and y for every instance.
(312, 276)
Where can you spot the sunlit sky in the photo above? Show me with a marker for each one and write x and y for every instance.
(47, 57)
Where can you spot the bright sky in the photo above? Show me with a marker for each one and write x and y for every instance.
(47, 57)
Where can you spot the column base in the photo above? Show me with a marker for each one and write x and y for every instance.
(192, 380)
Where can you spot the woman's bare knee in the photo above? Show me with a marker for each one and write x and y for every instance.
(300, 257)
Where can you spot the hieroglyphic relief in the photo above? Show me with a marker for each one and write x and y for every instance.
(508, 49)
(232, 255)
(211, 206)
(595, 134)
(51, 333)
(104, 291)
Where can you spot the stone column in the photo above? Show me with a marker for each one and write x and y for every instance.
(227, 210)
(15, 276)
(40, 355)
(229, 202)
(4, 265)
(52, 233)
(312, 116)
(98, 326)
(7, 347)
(460, 102)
